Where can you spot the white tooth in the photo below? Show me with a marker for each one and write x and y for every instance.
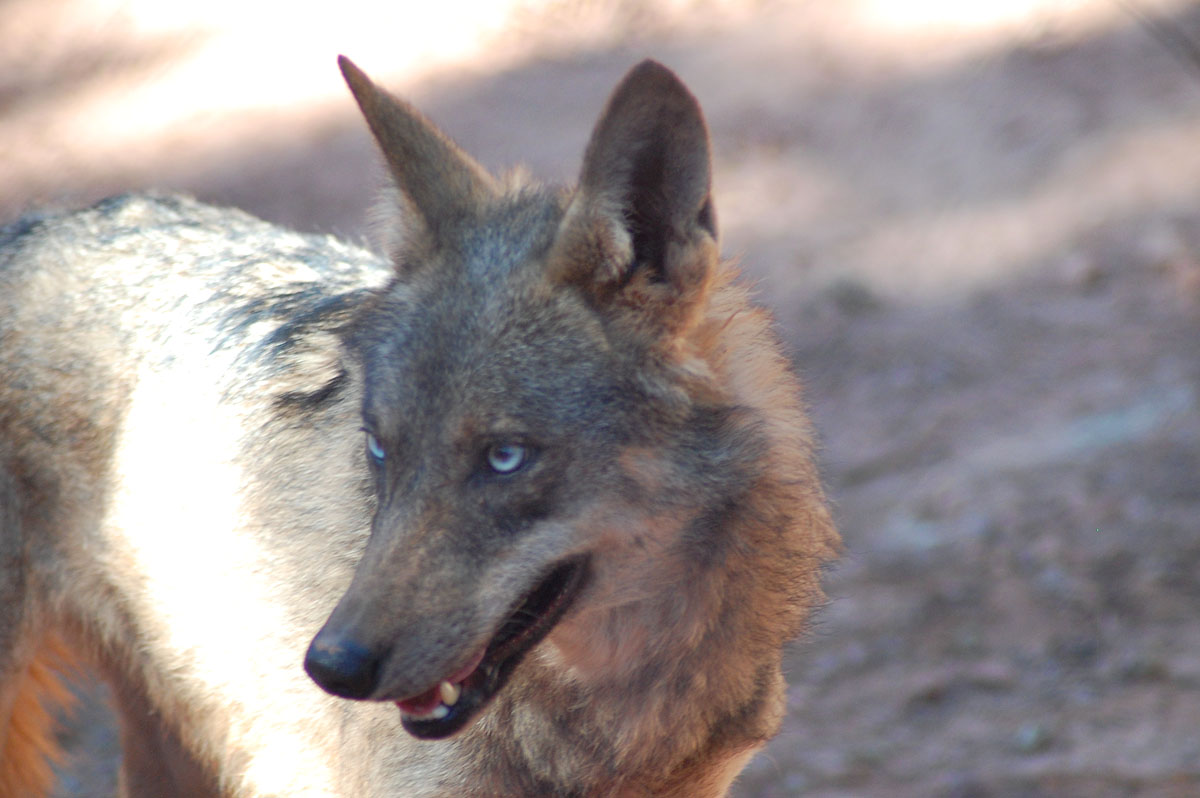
(437, 713)
(449, 693)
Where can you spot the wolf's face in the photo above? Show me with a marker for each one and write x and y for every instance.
(519, 371)
(491, 408)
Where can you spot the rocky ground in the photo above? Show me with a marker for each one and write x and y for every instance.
(981, 233)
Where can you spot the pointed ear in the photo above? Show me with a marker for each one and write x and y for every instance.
(641, 226)
(440, 183)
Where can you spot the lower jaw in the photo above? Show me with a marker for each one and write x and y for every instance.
(492, 667)
(445, 720)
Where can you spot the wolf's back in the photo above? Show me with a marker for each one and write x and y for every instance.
(138, 266)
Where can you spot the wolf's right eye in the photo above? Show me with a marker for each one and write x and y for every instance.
(375, 449)
(505, 458)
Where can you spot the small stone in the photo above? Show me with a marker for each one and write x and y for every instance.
(1032, 738)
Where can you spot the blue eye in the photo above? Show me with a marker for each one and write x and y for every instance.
(375, 448)
(505, 458)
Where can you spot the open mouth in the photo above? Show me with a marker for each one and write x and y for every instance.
(450, 705)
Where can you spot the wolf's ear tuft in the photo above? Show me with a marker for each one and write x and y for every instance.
(440, 184)
(641, 226)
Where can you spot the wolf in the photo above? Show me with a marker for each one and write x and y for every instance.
(531, 499)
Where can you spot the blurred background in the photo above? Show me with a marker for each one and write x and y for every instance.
(978, 224)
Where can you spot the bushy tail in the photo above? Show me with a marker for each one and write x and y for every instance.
(28, 749)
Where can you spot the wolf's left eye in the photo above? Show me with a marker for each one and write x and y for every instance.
(505, 458)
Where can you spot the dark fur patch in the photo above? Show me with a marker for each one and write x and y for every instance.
(311, 401)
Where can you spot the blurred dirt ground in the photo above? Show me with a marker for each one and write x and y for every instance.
(979, 224)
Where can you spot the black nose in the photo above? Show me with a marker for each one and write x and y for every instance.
(341, 666)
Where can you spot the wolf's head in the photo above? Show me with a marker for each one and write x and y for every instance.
(541, 412)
